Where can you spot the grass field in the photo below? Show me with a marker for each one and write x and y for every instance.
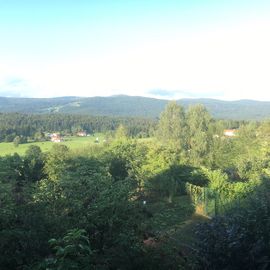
(72, 142)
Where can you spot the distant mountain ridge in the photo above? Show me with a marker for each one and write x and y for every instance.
(133, 106)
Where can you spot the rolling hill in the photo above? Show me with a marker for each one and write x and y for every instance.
(133, 106)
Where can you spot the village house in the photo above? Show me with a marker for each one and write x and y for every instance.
(56, 138)
(230, 132)
(82, 134)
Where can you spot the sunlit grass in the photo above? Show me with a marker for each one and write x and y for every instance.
(72, 142)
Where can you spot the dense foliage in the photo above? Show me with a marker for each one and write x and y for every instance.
(131, 203)
(239, 239)
(20, 127)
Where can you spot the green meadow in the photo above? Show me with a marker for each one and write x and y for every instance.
(73, 143)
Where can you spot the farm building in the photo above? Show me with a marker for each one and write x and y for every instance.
(230, 132)
(82, 134)
(56, 138)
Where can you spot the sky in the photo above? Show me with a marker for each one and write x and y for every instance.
(165, 49)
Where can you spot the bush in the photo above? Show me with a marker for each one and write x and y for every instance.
(239, 239)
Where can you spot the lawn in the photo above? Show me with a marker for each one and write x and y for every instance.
(72, 142)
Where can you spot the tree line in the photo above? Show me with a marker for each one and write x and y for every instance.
(33, 126)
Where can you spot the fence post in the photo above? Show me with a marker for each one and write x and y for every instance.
(204, 201)
(216, 204)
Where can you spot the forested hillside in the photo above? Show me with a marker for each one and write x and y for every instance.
(35, 126)
(190, 197)
(133, 106)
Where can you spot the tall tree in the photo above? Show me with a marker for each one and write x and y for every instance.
(33, 163)
(56, 161)
(200, 138)
(172, 126)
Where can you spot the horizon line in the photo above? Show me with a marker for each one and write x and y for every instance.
(124, 95)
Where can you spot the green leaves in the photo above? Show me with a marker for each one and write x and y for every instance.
(56, 161)
(199, 135)
(172, 126)
(240, 238)
(73, 251)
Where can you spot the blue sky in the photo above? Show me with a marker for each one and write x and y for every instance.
(169, 49)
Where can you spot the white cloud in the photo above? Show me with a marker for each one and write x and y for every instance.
(14, 87)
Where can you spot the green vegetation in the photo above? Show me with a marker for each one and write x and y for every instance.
(188, 197)
(74, 143)
(133, 106)
(32, 127)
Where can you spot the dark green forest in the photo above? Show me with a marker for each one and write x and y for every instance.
(188, 197)
(133, 106)
(35, 126)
